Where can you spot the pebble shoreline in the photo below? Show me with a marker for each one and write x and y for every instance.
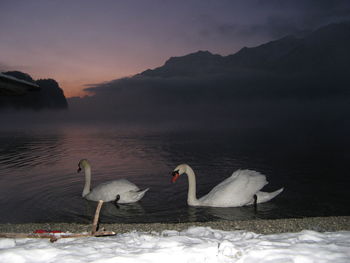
(320, 224)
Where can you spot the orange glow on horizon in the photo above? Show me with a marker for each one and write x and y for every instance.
(74, 85)
(74, 80)
(73, 89)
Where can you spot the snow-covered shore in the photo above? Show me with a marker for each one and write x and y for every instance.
(270, 226)
(195, 244)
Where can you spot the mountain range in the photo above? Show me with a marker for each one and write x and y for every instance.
(291, 75)
(324, 50)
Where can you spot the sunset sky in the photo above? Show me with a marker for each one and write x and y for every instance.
(81, 42)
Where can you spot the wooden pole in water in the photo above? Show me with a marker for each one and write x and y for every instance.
(97, 215)
(54, 238)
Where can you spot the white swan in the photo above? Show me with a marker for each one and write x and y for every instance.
(241, 188)
(121, 191)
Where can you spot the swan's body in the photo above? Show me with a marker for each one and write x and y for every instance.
(240, 189)
(122, 191)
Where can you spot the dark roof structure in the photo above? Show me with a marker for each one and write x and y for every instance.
(11, 86)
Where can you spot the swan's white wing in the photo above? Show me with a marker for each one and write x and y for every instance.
(108, 191)
(236, 190)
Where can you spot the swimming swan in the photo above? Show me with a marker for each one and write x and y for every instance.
(121, 191)
(241, 188)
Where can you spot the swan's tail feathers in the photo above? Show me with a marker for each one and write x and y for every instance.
(131, 196)
(263, 197)
(141, 193)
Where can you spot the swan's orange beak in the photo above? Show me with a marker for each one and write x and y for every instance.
(176, 175)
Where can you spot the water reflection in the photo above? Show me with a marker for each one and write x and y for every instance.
(21, 150)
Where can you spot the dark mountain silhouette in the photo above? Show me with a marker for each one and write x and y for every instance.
(49, 96)
(260, 80)
(324, 49)
(265, 56)
(198, 63)
(52, 94)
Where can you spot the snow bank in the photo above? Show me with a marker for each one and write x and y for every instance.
(196, 244)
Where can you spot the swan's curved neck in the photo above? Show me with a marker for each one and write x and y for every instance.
(87, 186)
(191, 196)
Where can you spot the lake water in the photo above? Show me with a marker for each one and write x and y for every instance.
(39, 182)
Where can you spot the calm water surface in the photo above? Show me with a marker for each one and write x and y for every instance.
(39, 182)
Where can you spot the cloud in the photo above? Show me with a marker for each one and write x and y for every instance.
(292, 17)
(280, 18)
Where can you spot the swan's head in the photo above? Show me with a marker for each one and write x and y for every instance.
(179, 170)
(83, 163)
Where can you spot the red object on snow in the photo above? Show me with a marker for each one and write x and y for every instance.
(42, 231)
